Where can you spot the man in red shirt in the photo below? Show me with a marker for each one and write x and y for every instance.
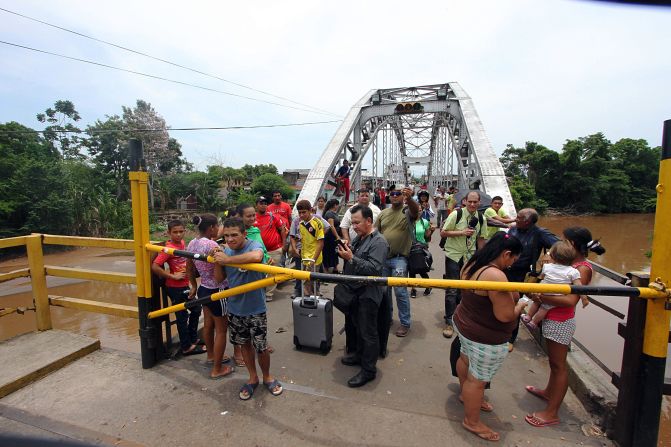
(280, 208)
(273, 229)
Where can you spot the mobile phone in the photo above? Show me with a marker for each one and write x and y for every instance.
(342, 243)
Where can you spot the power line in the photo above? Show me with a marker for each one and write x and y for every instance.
(102, 131)
(100, 64)
(175, 64)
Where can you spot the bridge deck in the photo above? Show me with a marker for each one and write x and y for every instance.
(107, 398)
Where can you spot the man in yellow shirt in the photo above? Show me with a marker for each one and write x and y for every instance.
(312, 240)
(496, 213)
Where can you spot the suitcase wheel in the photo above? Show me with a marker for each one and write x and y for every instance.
(324, 348)
(297, 343)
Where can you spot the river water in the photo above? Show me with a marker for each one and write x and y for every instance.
(626, 237)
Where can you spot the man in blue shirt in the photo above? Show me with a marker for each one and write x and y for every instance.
(247, 321)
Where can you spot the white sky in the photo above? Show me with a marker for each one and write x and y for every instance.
(542, 71)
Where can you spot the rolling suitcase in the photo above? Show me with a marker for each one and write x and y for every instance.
(313, 322)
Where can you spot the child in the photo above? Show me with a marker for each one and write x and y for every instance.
(557, 271)
(312, 240)
(177, 284)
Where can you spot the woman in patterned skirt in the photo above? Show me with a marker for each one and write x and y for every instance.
(558, 328)
(484, 322)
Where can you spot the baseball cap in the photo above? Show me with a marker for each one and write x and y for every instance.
(261, 199)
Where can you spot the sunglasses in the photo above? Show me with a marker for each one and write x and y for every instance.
(395, 193)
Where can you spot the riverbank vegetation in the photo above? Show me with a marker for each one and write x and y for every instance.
(73, 181)
(588, 175)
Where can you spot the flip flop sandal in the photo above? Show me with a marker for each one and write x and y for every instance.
(272, 387)
(226, 359)
(194, 351)
(489, 435)
(240, 363)
(536, 392)
(247, 390)
(227, 372)
(534, 420)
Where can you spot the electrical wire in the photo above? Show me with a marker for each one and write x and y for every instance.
(168, 129)
(100, 64)
(165, 61)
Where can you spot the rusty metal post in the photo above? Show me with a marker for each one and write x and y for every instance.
(38, 281)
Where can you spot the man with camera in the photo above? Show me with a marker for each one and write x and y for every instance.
(464, 230)
(361, 303)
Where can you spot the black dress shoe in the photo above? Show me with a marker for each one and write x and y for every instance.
(360, 379)
(350, 360)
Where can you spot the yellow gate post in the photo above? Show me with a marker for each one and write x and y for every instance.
(38, 281)
(657, 318)
(139, 178)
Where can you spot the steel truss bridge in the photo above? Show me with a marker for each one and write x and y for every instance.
(431, 131)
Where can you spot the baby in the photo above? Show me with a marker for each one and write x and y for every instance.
(557, 271)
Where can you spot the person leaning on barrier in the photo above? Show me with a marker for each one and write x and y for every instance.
(248, 323)
(361, 304)
(534, 239)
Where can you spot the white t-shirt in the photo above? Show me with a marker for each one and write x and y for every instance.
(559, 274)
(442, 200)
(346, 222)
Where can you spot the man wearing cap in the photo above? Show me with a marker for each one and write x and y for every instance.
(363, 199)
(273, 233)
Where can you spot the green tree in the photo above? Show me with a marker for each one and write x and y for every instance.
(267, 183)
(108, 146)
(32, 182)
(61, 133)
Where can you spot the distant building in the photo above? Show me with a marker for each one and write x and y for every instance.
(188, 203)
(295, 178)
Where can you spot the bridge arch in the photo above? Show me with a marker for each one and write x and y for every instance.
(433, 130)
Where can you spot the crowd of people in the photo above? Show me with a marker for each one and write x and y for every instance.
(375, 237)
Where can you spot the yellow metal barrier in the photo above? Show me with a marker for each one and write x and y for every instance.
(20, 273)
(93, 275)
(76, 241)
(38, 281)
(12, 242)
(118, 310)
(223, 294)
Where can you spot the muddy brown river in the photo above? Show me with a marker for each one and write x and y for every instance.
(626, 237)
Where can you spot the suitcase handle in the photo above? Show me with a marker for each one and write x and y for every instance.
(309, 302)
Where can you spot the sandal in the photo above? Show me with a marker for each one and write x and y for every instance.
(488, 435)
(240, 362)
(194, 351)
(225, 359)
(536, 392)
(534, 420)
(227, 371)
(247, 390)
(275, 387)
